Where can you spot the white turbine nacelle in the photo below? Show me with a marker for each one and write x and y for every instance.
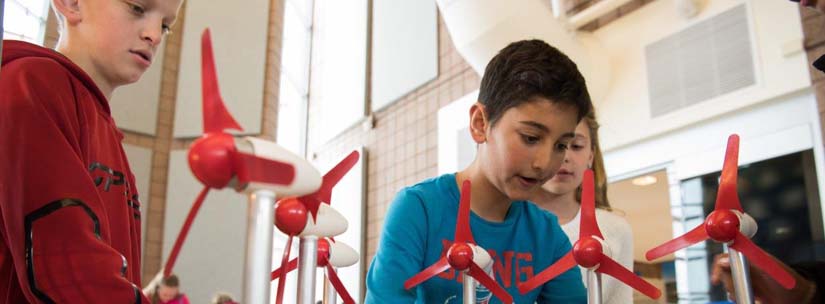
(605, 250)
(329, 223)
(341, 255)
(307, 178)
(481, 257)
(747, 225)
(481, 28)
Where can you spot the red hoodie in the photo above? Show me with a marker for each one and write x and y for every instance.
(69, 209)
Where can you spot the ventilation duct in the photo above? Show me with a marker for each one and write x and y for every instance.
(480, 28)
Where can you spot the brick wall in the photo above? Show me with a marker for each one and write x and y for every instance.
(813, 27)
(625, 9)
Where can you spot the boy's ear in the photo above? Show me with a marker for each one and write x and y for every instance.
(69, 9)
(478, 123)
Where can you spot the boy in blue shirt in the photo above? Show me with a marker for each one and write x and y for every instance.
(530, 101)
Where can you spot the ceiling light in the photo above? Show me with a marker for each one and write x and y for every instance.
(646, 180)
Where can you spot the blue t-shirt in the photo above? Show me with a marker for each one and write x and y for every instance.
(420, 226)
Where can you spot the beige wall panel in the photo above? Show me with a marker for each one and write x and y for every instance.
(239, 37)
(212, 257)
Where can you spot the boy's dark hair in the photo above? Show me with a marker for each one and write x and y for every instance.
(527, 69)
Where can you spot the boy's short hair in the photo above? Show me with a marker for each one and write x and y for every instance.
(527, 69)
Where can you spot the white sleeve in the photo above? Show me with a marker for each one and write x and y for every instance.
(619, 237)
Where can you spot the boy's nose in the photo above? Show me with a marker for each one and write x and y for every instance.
(543, 161)
(152, 35)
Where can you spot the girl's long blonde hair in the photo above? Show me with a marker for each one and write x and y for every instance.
(599, 173)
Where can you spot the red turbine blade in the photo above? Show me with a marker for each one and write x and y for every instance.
(462, 223)
(216, 117)
(276, 274)
(564, 264)
(184, 231)
(251, 168)
(282, 280)
(324, 194)
(334, 176)
(312, 203)
(589, 227)
(763, 261)
(727, 198)
(427, 273)
(491, 284)
(339, 287)
(609, 267)
(694, 236)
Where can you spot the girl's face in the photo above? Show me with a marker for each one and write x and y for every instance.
(577, 158)
(526, 145)
(167, 293)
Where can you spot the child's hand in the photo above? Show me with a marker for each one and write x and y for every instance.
(150, 288)
(765, 289)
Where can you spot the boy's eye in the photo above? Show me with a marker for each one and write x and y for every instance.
(529, 139)
(576, 147)
(137, 9)
(166, 29)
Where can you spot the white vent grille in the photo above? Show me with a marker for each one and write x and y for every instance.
(709, 59)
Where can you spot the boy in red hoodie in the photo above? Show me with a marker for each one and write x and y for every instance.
(69, 209)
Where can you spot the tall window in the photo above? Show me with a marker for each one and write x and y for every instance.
(25, 20)
(294, 87)
(339, 88)
(292, 104)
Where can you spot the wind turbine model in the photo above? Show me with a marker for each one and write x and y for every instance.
(464, 256)
(258, 168)
(730, 225)
(589, 252)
